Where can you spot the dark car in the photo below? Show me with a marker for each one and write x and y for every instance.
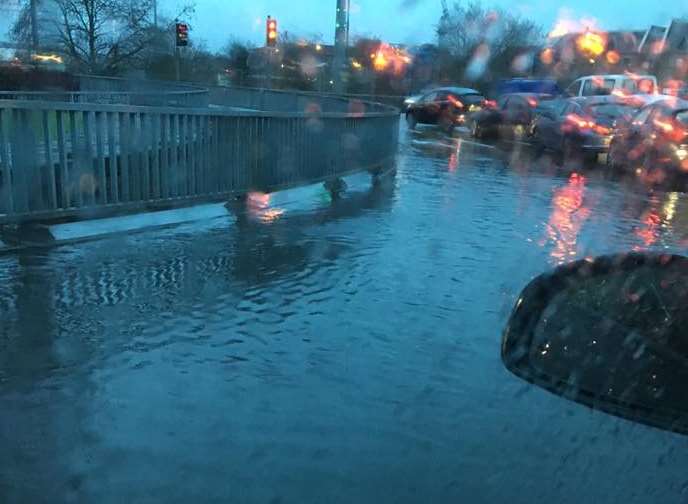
(580, 126)
(510, 117)
(654, 140)
(446, 107)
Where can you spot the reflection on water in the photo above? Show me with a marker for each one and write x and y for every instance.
(567, 218)
(336, 352)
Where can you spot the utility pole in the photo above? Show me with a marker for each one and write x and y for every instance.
(341, 41)
(33, 9)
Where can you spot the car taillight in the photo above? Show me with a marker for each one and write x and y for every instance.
(601, 130)
(532, 102)
(490, 103)
(455, 102)
(671, 130)
(579, 121)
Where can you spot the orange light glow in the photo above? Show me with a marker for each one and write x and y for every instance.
(547, 56)
(455, 102)
(54, 58)
(591, 43)
(579, 121)
(390, 58)
(613, 57)
(601, 130)
(565, 25)
(380, 62)
(666, 127)
(258, 207)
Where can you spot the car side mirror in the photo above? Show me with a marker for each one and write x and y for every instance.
(609, 333)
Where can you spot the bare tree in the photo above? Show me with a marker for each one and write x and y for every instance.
(483, 41)
(100, 36)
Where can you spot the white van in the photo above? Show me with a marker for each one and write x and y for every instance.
(597, 85)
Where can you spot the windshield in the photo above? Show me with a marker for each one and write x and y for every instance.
(267, 251)
(682, 117)
(472, 98)
(612, 110)
(639, 86)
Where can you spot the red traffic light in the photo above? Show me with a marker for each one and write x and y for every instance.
(271, 32)
(182, 30)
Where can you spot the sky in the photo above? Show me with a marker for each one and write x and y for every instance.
(399, 21)
(395, 21)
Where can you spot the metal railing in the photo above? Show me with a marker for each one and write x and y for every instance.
(188, 98)
(83, 160)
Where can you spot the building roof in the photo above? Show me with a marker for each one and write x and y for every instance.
(676, 38)
(654, 35)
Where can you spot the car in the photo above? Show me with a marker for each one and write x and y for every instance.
(410, 101)
(580, 126)
(521, 85)
(510, 116)
(616, 84)
(654, 140)
(446, 107)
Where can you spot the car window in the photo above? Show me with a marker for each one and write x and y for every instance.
(517, 103)
(571, 108)
(638, 86)
(430, 97)
(642, 116)
(682, 117)
(471, 98)
(610, 109)
(574, 89)
(598, 86)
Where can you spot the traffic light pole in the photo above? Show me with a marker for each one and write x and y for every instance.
(177, 63)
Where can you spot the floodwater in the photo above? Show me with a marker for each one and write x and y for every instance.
(326, 352)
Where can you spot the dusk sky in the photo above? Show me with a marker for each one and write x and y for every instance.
(399, 21)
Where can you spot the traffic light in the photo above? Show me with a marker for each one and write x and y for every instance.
(271, 33)
(182, 30)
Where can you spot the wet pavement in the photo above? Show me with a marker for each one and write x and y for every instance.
(326, 352)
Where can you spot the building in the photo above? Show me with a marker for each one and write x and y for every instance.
(660, 50)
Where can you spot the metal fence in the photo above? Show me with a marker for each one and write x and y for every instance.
(85, 160)
(188, 98)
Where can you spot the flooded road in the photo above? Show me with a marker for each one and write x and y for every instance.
(326, 352)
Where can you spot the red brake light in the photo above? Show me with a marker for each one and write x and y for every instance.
(455, 102)
(579, 121)
(601, 130)
(532, 102)
(666, 127)
(490, 103)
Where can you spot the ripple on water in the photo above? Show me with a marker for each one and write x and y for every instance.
(319, 341)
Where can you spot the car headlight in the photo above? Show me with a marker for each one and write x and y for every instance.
(682, 152)
(474, 108)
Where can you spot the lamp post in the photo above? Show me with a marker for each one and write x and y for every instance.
(341, 41)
